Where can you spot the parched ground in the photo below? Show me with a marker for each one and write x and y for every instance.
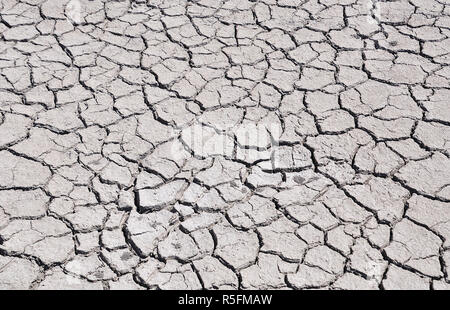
(241, 144)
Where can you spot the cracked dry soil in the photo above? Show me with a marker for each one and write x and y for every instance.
(240, 144)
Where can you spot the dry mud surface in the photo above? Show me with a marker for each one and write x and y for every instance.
(188, 144)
